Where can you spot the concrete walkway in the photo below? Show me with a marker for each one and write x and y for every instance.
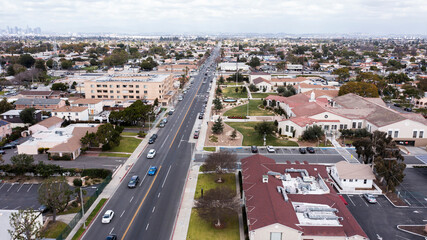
(184, 213)
(342, 151)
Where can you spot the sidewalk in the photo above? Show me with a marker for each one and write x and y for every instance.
(184, 213)
(342, 151)
(118, 176)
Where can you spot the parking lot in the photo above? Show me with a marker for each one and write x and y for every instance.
(15, 196)
(414, 193)
(380, 220)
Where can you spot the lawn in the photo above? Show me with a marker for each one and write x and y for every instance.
(209, 149)
(127, 144)
(54, 229)
(262, 95)
(199, 229)
(129, 133)
(121, 155)
(231, 83)
(207, 181)
(89, 219)
(1, 92)
(253, 110)
(251, 137)
(229, 92)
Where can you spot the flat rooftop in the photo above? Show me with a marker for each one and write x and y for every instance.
(133, 77)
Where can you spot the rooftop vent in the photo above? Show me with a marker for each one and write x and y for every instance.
(264, 178)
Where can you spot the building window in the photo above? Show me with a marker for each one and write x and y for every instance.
(93, 96)
(414, 134)
(131, 86)
(111, 96)
(131, 96)
(341, 126)
(105, 91)
(130, 91)
(137, 97)
(111, 86)
(326, 127)
(354, 124)
(117, 86)
(91, 91)
(137, 86)
(292, 129)
(359, 125)
(91, 85)
(344, 180)
(396, 134)
(111, 91)
(365, 181)
(345, 126)
(145, 91)
(99, 85)
(421, 135)
(118, 91)
(389, 133)
(104, 85)
(98, 91)
(351, 180)
(145, 86)
(77, 114)
(287, 128)
(125, 85)
(275, 236)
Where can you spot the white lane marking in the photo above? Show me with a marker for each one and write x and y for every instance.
(403, 237)
(154, 208)
(111, 230)
(147, 227)
(379, 237)
(158, 195)
(17, 207)
(167, 137)
(143, 180)
(20, 188)
(122, 213)
(131, 199)
(167, 174)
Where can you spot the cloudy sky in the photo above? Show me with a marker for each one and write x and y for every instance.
(218, 16)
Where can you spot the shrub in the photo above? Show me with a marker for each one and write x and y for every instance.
(40, 150)
(66, 157)
(77, 182)
(96, 173)
(312, 133)
(142, 134)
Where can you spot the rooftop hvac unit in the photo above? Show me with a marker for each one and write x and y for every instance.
(282, 190)
(321, 216)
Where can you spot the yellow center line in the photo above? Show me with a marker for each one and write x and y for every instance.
(140, 205)
(173, 140)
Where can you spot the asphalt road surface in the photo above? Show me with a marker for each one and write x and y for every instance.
(149, 211)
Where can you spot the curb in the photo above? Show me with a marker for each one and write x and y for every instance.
(393, 203)
(416, 234)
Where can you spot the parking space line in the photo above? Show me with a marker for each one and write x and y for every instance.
(17, 207)
(30, 187)
(351, 200)
(10, 187)
(363, 200)
(111, 230)
(20, 188)
(2, 185)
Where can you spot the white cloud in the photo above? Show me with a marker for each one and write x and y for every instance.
(293, 16)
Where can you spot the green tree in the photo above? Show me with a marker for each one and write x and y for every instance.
(217, 104)
(26, 60)
(40, 64)
(108, 135)
(254, 62)
(343, 73)
(411, 91)
(218, 126)
(28, 115)
(49, 63)
(233, 134)
(312, 133)
(22, 163)
(362, 89)
(281, 66)
(59, 87)
(221, 80)
(24, 225)
(118, 57)
(10, 71)
(66, 64)
(90, 140)
(220, 163)
(55, 193)
(266, 128)
(218, 91)
(5, 105)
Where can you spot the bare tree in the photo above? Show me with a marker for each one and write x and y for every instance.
(221, 162)
(55, 193)
(24, 225)
(217, 205)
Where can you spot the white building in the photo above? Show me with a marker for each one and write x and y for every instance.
(47, 124)
(353, 177)
(72, 113)
(229, 66)
(94, 105)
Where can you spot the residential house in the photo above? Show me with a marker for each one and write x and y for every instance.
(294, 201)
(47, 124)
(72, 113)
(12, 116)
(39, 94)
(262, 83)
(39, 103)
(5, 129)
(353, 177)
(94, 105)
(255, 75)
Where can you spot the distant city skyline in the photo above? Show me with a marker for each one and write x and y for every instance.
(220, 16)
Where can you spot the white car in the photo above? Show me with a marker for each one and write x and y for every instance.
(108, 216)
(270, 149)
(151, 153)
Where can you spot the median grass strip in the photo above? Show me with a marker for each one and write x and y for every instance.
(230, 92)
(127, 144)
(53, 229)
(209, 149)
(121, 155)
(253, 110)
(199, 229)
(251, 137)
(90, 218)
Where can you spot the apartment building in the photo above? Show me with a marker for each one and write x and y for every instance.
(134, 86)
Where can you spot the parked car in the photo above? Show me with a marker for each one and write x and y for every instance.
(408, 109)
(133, 182)
(165, 120)
(111, 237)
(151, 153)
(310, 150)
(396, 105)
(302, 151)
(43, 208)
(270, 149)
(162, 124)
(151, 140)
(254, 149)
(201, 116)
(370, 198)
(108, 216)
(152, 171)
(170, 112)
(2, 152)
(196, 134)
(9, 146)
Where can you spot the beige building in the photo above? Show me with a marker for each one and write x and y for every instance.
(134, 86)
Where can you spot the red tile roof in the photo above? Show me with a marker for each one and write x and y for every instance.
(260, 79)
(265, 206)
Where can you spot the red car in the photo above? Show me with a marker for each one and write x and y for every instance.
(196, 134)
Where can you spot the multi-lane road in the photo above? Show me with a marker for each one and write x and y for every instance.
(149, 210)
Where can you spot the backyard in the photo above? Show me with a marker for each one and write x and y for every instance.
(200, 229)
(253, 110)
(230, 92)
(251, 137)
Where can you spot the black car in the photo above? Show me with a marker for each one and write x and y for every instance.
(396, 105)
(133, 182)
(310, 150)
(170, 112)
(111, 237)
(154, 136)
(201, 116)
(151, 140)
(408, 109)
(302, 150)
(254, 149)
